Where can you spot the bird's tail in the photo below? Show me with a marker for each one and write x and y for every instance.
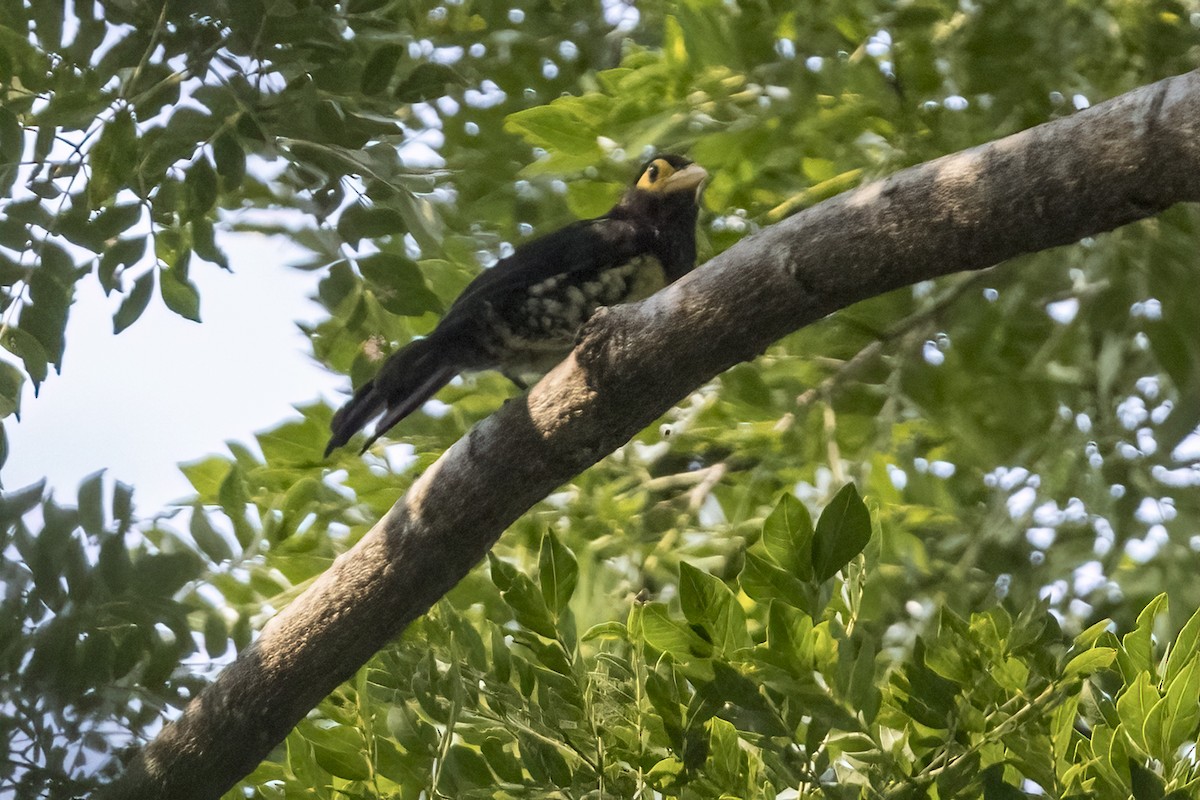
(407, 379)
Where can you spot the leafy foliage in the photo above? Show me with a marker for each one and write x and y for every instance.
(672, 620)
(729, 694)
(95, 633)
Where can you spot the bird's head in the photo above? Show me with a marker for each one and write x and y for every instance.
(668, 184)
(669, 175)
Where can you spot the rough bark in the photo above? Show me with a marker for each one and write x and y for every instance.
(1117, 162)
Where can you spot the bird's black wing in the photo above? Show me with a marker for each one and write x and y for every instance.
(581, 247)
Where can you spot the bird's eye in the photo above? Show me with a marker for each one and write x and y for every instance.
(652, 172)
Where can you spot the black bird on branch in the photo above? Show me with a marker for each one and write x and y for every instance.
(523, 315)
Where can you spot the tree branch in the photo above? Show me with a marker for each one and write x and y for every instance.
(1117, 162)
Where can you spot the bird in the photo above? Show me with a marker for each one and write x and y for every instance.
(523, 315)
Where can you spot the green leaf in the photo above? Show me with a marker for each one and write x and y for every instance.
(1186, 645)
(15, 236)
(662, 691)
(113, 564)
(788, 536)
(21, 342)
(360, 222)
(1182, 793)
(1175, 348)
(528, 607)
(569, 125)
(843, 530)
(1146, 784)
(1089, 661)
(205, 475)
(207, 538)
(427, 82)
(558, 573)
(1062, 730)
(667, 775)
(763, 581)
(233, 499)
(78, 228)
(994, 787)
(707, 602)
(543, 760)
(204, 243)
(122, 506)
(230, 159)
(201, 184)
(958, 777)
(789, 633)
(114, 158)
(19, 502)
(115, 220)
(135, 302)
(12, 147)
(1180, 709)
(725, 759)
(503, 574)
(18, 58)
(1139, 643)
(606, 630)
(380, 68)
(465, 766)
(331, 122)
(1089, 636)
(179, 293)
(421, 220)
(118, 254)
(672, 636)
(293, 443)
(160, 575)
(1134, 708)
(863, 690)
(924, 695)
(501, 657)
(216, 634)
(728, 686)
(12, 380)
(588, 199)
(91, 503)
(502, 762)
(30, 212)
(398, 284)
(340, 750)
(52, 289)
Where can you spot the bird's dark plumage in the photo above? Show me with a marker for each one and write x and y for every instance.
(523, 315)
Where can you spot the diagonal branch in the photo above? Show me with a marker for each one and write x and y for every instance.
(1117, 162)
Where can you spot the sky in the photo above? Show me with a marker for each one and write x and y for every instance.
(167, 389)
